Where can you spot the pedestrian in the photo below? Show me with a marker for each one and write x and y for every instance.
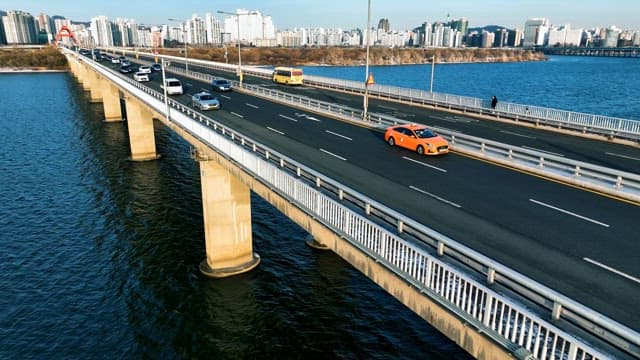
(494, 102)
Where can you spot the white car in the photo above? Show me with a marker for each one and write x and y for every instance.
(144, 69)
(173, 85)
(115, 60)
(140, 76)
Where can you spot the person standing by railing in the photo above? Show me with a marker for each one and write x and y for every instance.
(494, 102)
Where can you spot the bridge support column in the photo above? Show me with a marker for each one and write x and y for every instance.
(110, 101)
(94, 86)
(226, 209)
(141, 135)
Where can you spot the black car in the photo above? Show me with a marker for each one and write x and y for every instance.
(126, 69)
(156, 67)
(221, 84)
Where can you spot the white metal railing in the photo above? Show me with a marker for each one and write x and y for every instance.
(592, 123)
(331, 202)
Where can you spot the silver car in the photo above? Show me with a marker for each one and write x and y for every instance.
(205, 101)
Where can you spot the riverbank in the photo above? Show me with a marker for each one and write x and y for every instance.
(29, 60)
(357, 56)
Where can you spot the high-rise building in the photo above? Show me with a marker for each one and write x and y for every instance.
(501, 38)
(214, 29)
(460, 25)
(565, 36)
(487, 39)
(612, 36)
(102, 31)
(253, 25)
(46, 23)
(20, 28)
(515, 38)
(3, 37)
(383, 24)
(535, 32)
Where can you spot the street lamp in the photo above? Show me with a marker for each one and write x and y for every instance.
(164, 63)
(433, 61)
(237, 15)
(366, 69)
(184, 39)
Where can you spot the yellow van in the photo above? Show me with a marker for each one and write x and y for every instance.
(287, 75)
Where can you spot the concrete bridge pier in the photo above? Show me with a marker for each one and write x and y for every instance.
(141, 134)
(94, 86)
(226, 209)
(110, 101)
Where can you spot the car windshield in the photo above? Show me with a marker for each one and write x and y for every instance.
(206, 97)
(424, 133)
(222, 82)
(174, 83)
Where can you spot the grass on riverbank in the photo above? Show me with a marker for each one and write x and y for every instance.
(48, 58)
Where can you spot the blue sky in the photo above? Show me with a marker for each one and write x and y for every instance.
(348, 14)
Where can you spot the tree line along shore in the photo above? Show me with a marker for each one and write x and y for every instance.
(49, 58)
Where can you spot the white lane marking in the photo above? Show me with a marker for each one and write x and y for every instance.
(288, 118)
(332, 154)
(623, 156)
(312, 118)
(435, 197)
(568, 212)
(274, 130)
(542, 151)
(336, 134)
(226, 97)
(615, 271)
(516, 134)
(236, 114)
(444, 128)
(386, 107)
(306, 116)
(253, 106)
(444, 119)
(425, 164)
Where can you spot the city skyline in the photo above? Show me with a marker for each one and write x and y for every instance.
(334, 14)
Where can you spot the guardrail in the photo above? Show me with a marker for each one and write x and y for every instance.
(607, 126)
(406, 247)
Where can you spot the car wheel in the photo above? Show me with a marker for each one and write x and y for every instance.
(420, 150)
(391, 141)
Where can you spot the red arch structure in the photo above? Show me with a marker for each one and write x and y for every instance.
(65, 32)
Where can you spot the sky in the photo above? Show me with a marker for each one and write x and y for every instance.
(351, 14)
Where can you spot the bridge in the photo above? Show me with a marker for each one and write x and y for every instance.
(594, 51)
(483, 253)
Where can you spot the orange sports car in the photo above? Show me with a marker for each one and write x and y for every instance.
(416, 138)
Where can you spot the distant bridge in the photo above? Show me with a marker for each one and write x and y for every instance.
(586, 51)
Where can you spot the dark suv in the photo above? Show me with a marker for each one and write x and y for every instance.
(221, 84)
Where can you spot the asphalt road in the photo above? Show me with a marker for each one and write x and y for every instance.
(584, 245)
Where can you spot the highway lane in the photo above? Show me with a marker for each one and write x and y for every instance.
(600, 152)
(519, 220)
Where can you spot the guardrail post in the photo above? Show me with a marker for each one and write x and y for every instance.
(298, 171)
(400, 226)
(541, 164)
(577, 172)
(254, 148)
(318, 182)
(510, 154)
(367, 209)
(242, 141)
(266, 154)
(482, 147)
(491, 276)
(440, 248)
(341, 194)
(281, 163)
(619, 182)
(557, 311)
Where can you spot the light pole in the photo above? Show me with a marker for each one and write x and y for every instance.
(184, 39)
(366, 68)
(237, 15)
(433, 61)
(163, 64)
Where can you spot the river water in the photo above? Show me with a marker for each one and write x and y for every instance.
(100, 255)
(595, 85)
